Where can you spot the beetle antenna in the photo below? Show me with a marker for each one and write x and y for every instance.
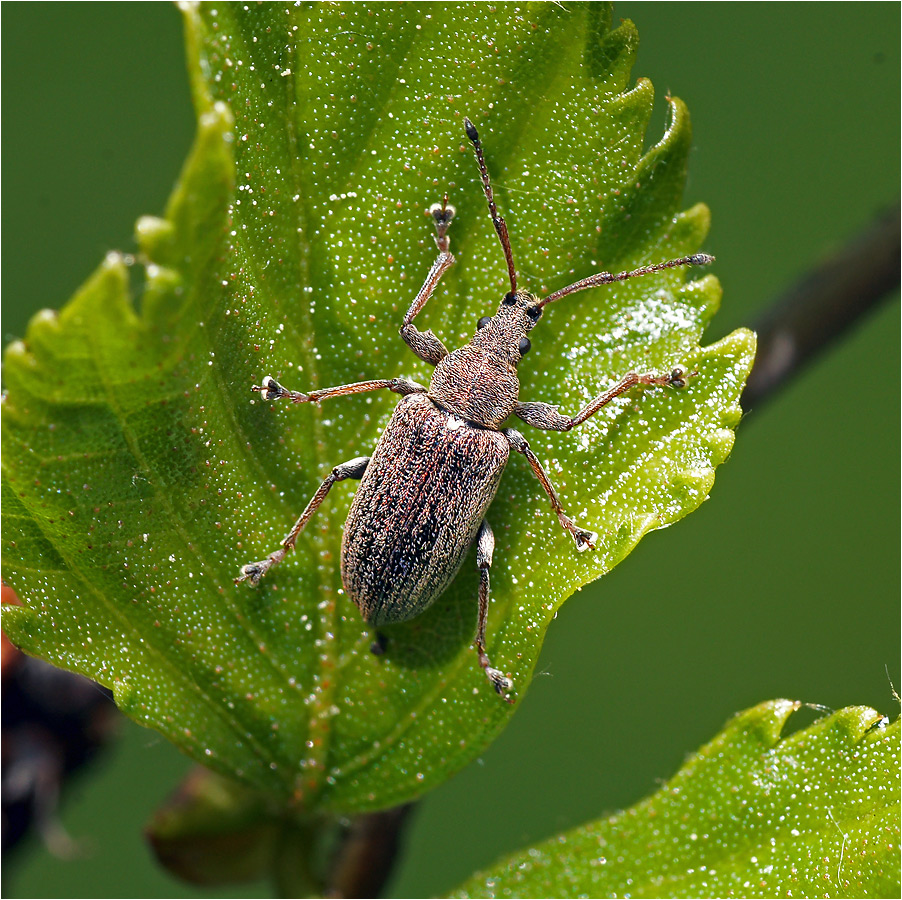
(697, 259)
(497, 221)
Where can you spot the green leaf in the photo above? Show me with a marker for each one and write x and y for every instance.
(750, 815)
(139, 475)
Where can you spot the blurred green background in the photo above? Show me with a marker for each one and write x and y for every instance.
(785, 584)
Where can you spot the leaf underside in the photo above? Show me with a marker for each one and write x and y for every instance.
(814, 814)
(138, 476)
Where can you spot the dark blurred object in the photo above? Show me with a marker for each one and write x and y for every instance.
(367, 853)
(214, 831)
(53, 723)
(824, 305)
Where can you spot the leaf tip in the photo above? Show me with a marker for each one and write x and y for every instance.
(16, 353)
(849, 724)
(154, 235)
(19, 622)
(764, 721)
(679, 126)
(124, 696)
(610, 54)
(218, 118)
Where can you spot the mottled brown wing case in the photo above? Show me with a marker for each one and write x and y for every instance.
(417, 510)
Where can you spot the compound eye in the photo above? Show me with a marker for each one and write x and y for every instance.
(483, 322)
(524, 346)
(534, 313)
(509, 299)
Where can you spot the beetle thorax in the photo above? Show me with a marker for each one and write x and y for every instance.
(475, 386)
(479, 382)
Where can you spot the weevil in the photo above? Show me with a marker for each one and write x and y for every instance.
(425, 491)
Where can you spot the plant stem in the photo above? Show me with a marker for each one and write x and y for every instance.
(292, 874)
(824, 304)
(367, 854)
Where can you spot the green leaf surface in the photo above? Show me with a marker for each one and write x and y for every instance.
(814, 814)
(138, 474)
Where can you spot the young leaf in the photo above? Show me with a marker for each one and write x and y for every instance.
(750, 815)
(140, 474)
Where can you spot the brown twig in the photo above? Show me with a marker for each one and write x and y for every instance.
(823, 305)
(366, 855)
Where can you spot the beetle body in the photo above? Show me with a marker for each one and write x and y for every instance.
(435, 472)
(420, 503)
(426, 490)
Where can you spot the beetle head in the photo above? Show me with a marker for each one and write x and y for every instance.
(504, 334)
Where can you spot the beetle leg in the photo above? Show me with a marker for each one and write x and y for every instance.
(253, 572)
(272, 390)
(380, 642)
(485, 546)
(543, 415)
(424, 343)
(584, 539)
